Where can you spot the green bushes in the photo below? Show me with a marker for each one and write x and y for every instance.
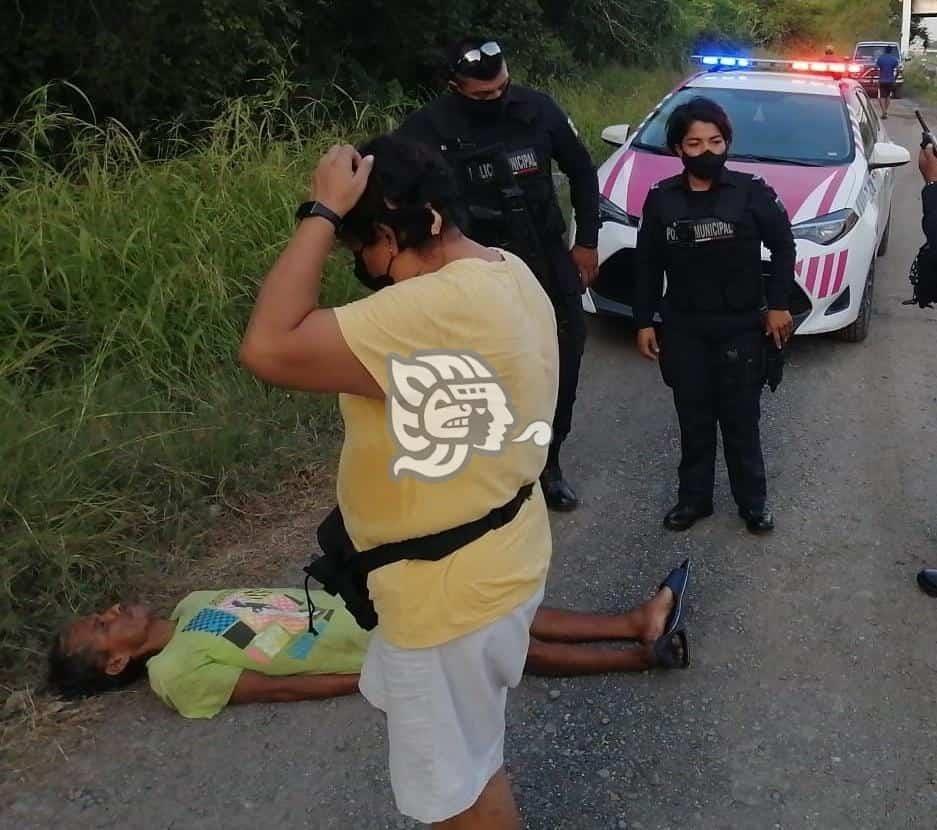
(153, 62)
(747, 23)
(921, 81)
(845, 22)
(149, 62)
(124, 286)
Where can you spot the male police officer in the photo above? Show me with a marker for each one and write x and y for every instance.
(704, 229)
(502, 139)
(925, 281)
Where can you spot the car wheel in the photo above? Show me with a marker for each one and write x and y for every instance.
(857, 332)
(897, 92)
(883, 245)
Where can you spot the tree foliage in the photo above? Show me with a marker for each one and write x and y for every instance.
(734, 24)
(145, 61)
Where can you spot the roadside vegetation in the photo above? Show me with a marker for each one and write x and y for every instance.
(136, 219)
(125, 283)
(920, 77)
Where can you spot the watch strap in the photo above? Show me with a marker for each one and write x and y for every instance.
(307, 209)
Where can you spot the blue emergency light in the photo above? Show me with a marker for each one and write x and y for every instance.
(719, 60)
(834, 69)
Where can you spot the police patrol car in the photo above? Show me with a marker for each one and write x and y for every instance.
(808, 129)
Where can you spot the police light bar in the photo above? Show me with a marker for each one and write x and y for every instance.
(834, 68)
(718, 60)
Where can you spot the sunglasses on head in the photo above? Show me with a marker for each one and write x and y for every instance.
(474, 58)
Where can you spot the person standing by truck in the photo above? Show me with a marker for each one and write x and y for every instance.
(887, 64)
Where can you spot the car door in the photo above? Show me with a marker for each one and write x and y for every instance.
(882, 181)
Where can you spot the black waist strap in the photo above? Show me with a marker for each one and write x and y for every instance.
(343, 571)
(440, 545)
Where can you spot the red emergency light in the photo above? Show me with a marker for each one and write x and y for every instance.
(827, 67)
(834, 68)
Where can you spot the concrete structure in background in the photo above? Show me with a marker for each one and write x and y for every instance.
(918, 8)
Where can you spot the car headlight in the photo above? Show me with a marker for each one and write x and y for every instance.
(610, 212)
(826, 229)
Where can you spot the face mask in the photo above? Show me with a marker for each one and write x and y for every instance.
(368, 281)
(479, 110)
(705, 166)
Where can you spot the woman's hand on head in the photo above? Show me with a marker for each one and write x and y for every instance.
(341, 177)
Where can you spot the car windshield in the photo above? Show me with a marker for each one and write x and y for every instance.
(870, 51)
(785, 127)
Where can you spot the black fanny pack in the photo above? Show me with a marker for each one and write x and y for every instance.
(343, 570)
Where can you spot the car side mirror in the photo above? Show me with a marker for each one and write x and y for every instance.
(885, 154)
(616, 135)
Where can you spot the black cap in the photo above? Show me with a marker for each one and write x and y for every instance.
(485, 68)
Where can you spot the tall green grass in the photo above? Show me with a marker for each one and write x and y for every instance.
(125, 284)
(613, 95)
(921, 81)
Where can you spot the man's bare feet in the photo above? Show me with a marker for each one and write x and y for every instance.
(655, 612)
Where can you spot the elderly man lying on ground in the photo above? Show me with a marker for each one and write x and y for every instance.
(269, 645)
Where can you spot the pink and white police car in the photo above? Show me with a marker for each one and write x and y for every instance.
(815, 138)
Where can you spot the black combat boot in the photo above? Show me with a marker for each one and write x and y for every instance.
(757, 521)
(558, 494)
(684, 516)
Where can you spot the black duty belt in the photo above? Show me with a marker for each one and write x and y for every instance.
(343, 570)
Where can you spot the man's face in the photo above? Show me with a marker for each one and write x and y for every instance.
(118, 632)
(702, 137)
(478, 90)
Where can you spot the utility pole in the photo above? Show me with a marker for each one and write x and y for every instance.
(905, 27)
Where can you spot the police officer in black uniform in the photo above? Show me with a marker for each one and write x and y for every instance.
(704, 229)
(490, 131)
(924, 276)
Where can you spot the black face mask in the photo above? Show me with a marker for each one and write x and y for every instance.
(365, 278)
(706, 166)
(489, 110)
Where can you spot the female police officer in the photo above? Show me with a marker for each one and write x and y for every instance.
(704, 228)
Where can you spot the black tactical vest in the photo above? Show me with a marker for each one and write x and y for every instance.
(712, 250)
(470, 149)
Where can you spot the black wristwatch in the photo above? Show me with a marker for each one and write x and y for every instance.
(307, 209)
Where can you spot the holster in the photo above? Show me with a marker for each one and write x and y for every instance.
(343, 570)
(775, 359)
(339, 572)
(743, 361)
(923, 278)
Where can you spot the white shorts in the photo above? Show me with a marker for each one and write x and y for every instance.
(445, 711)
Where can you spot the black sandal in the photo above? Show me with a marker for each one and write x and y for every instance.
(671, 649)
